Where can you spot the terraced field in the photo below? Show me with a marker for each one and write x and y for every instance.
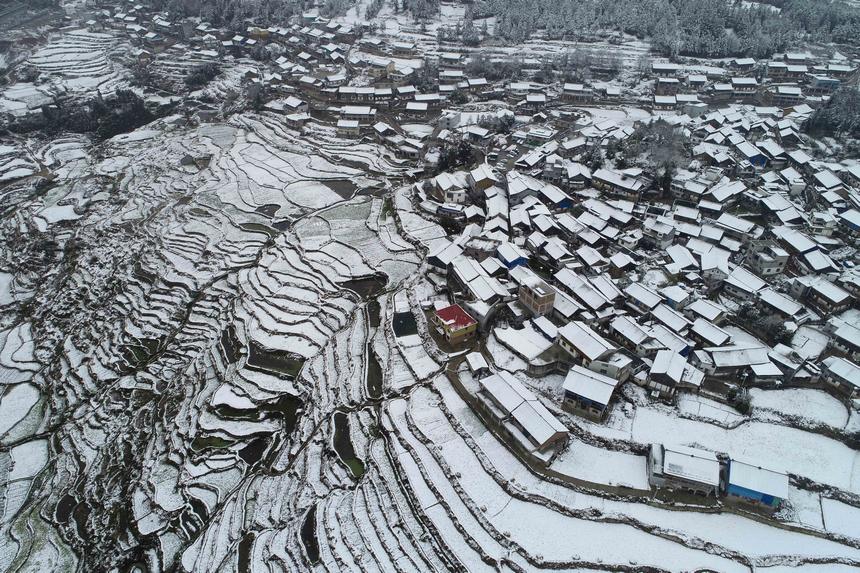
(78, 61)
(219, 310)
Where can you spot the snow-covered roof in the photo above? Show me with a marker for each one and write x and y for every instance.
(476, 361)
(519, 402)
(843, 369)
(585, 340)
(691, 464)
(669, 363)
(590, 385)
(643, 295)
(755, 478)
(710, 332)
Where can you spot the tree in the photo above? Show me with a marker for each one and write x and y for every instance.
(659, 145)
(461, 154)
(201, 75)
(140, 75)
(643, 65)
(458, 97)
(667, 36)
(470, 34)
(839, 116)
(593, 157)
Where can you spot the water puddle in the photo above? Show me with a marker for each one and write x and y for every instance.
(343, 445)
(309, 536)
(404, 324)
(366, 287)
(274, 361)
(373, 382)
(344, 188)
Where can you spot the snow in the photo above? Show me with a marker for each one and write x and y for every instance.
(727, 530)
(15, 404)
(600, 465)
(814, 405)
(841, 518)
(28, 459)
(538, 529)
(702, 407)
(227, 396)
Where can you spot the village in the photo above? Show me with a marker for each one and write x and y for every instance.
(622, 258)
(578, 258)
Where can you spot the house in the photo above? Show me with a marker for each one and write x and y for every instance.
(537, 296)
(451, 60)
(768, 260)
(511, 255)
(617, 182)
(471, 276)
(846, 340)
(520, 413)
(364, 115)
(451, 187)
(379, 68)
(670, 372)
(482, 178)
(477, 364)
(634, 336)
(576, 93)
(708, 334)
(842, 374)
(455, 324)
(588, 393)
(659, 233)
(706, 309)
(752, 484)
(667, 86)
(743, 284)
(679, 467)
(534, 101)
(738, 228)
(820, 293)
(665, 69)
(676, 297)
(826, 180)
(749, 152)
(642, 298)
(287, 105)
(738, 362)
(671, 318)
(296, 120)
(583, 343)
(443, 254)
(403, 49)
(664, 102)
(744, 87)
(783, 305)
(849, 222)
(348, 128)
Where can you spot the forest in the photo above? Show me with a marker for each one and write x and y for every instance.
(700, 28)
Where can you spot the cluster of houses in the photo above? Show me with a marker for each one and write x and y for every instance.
(365, 86)
(785, 80)
(555, 260)
(708, 474)
(554, 273)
